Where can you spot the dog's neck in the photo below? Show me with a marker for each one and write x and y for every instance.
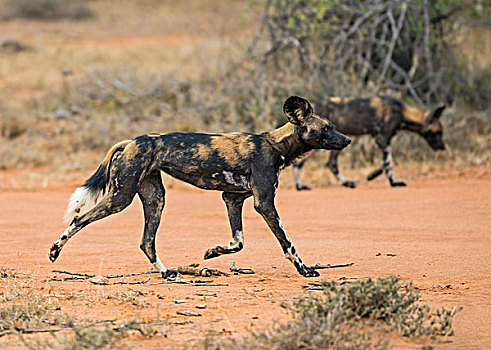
(413, 119)
(287, 142)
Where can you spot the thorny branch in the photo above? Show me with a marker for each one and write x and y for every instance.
(371, 45)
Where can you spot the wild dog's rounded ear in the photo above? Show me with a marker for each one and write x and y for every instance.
(434, 114)
(297, 109)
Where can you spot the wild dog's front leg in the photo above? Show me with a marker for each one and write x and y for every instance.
(383, 141)
(388, 166)
(297, 167)
(332, 163)
(264, 205)
(234, 203)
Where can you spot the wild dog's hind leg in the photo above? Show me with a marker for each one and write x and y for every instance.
(264, 205)
(123, 187)
(234, 203)
(113, 203)
(332, 163)
(152, 196)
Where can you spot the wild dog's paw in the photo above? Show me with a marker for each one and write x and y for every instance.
(54, 252)
(350, 184)
(303, 188)
(169, 274)
(212, 253)
(398, 184)
(309, 272)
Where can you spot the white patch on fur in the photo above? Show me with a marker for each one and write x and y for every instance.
(341, 178)
(159, 265)
(280, 224)
(239, 237)
(81, 201)
(229, 177)
(290, 257)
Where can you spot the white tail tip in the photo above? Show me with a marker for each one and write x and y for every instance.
(81, 201)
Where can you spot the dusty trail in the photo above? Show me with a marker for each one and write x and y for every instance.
(437, 231)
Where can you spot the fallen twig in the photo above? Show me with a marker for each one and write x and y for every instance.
(137, 282)
(193, 283)
(329, 266)
(68, 279)
(235, 269)
(108, 276)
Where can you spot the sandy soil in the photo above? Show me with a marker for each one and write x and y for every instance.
(437, 230)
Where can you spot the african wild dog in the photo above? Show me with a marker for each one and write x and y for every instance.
(382, 117)
(239, 164)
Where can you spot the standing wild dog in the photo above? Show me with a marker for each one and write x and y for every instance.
(382, 117)
(239, 164)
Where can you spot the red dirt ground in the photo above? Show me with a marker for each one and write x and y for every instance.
(438, 231)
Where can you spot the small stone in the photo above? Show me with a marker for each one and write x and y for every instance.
(180, 301)
(101, 280)
(62, 114)
(188, 313)
(201, 306)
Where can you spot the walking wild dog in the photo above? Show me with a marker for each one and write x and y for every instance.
(382, 117)
(239, 164)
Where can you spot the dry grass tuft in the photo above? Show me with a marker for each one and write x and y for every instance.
(356, 315)
(23, 310)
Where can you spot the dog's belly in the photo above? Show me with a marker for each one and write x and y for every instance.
(223, 180)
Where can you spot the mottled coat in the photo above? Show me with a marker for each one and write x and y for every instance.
(381, 117)
(238, 164)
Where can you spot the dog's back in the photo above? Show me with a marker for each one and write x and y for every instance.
(361, 116)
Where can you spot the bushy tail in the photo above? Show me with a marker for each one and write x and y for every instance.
(86, 196)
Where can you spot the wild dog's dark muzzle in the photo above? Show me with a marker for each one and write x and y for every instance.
(340, 141)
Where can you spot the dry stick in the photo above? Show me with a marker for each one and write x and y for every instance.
(30, 331)
(193, 283)
(68, 279)
(329, 266)
(137, 282)
(110, 276)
